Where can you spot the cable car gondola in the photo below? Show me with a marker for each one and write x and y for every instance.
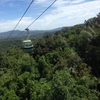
(27, 45)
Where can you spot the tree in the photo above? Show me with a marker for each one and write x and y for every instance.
(62, 84)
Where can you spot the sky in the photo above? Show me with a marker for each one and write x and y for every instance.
(62, 13)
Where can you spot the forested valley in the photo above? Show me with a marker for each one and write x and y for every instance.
(63, 66)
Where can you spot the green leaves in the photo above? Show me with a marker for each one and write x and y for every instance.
(62, 66)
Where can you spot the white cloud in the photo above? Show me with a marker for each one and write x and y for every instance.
(43, 3)
(71, 15)
(77, 1)
(7, 25)
(60, 3)
(40, 1)
(63, 14)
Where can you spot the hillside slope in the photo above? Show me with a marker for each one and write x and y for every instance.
(62, 66)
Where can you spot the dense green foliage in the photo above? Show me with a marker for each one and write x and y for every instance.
(62, 66)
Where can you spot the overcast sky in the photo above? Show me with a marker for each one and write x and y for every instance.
(62, 13)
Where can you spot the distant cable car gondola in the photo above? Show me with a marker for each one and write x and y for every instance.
(27, 45)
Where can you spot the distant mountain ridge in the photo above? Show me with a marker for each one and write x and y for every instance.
(4, 35)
